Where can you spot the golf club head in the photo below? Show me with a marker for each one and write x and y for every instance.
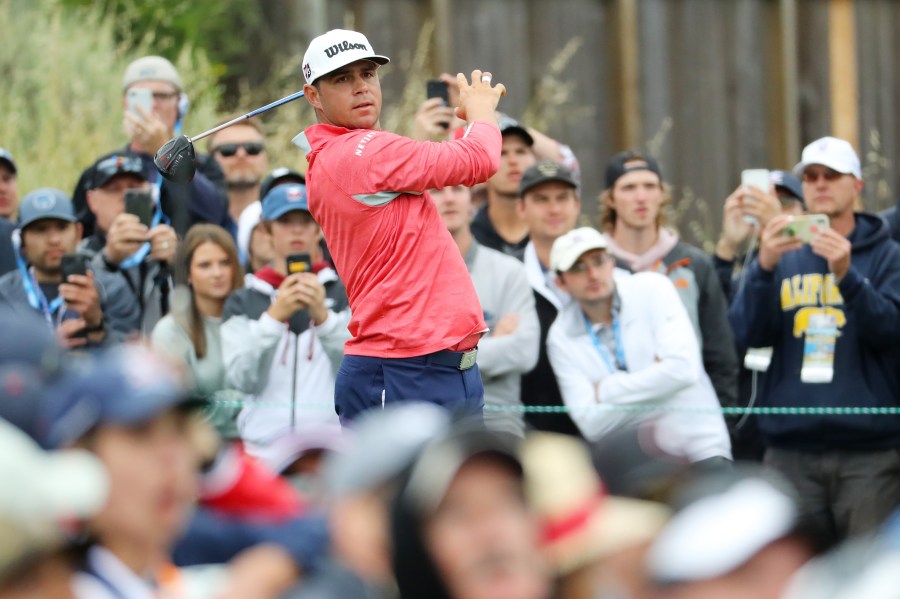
(176, 160)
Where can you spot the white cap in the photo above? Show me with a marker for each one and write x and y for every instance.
(335, 49)
(151, 68)
(832, 152)
(718, 533)
(40, 485)
(568, 248)
(247, 221)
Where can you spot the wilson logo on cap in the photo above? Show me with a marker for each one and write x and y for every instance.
(336, 49)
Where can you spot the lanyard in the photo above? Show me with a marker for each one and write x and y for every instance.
(158, 217)
(611, 364)
(36, 296)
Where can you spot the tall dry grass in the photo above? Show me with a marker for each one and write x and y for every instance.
(61, 93)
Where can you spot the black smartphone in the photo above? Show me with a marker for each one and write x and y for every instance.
(299, 263)
(139, 203)
(73, 264)
(435, 88)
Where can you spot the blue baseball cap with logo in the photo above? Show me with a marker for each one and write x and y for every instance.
(283, 199)
(126, 387)
(45, 203)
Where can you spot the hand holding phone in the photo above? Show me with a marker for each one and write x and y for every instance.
(142, 97)
(435, 88)
(299, 263)
(758, 178)
(73, 264)
(806, 227)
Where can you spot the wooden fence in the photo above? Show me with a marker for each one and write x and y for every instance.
(710, 86)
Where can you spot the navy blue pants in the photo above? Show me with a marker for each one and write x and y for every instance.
(365, 383)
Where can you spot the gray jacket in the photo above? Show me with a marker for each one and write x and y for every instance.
(119, 313)
(503, 289)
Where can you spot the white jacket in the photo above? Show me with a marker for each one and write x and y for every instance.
(288, 378)
(664, 370)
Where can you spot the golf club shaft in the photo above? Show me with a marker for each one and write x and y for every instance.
(244, 117)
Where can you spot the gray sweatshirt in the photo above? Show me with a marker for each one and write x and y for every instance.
(503, 289)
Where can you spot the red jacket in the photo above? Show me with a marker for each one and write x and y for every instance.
(409, 290)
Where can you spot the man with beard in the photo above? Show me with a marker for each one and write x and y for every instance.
(241, 152)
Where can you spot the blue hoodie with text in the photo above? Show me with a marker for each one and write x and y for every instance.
(774, 309)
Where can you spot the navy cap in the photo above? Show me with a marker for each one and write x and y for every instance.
(787, 181)
(6, 157)
(45, 203)
(129, 386)
(114, 165)
(510, 126)
(277, 177)
(283, 199)
(630, 160)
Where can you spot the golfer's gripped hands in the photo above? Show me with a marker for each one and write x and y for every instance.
(478, 100)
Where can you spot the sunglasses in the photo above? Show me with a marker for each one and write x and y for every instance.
(252, 148)
(811, 176)
(595, 261)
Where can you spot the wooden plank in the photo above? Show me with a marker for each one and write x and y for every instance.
(784, 121)
(844, 84)
(629, 59)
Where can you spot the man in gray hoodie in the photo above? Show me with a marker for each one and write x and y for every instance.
(511, 348)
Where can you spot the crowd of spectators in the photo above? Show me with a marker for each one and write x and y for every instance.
(169, 423)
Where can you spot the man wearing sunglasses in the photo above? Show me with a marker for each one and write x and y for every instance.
(828, 303)
(241, 153)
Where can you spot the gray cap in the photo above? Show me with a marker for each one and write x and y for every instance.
(45, 203)
(151, 68)
(382, 445)
(6, 157)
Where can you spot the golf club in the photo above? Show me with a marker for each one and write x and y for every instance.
(176, 160)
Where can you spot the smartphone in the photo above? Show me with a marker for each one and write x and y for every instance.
(73, 264)
(806, 227)
(139, 97)
(139, 203)
(435, 88)
(299, 263)
(759, 178)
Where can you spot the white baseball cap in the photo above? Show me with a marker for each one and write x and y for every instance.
(832, 152)
(151, 68)
(335, 49)
(568, 248)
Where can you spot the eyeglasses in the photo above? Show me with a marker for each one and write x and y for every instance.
(163, 96)
(595, 261)
(253, 148)
(811, 176)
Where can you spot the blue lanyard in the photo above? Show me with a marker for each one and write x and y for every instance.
(36, 297)
(158, 217)
(611, 365)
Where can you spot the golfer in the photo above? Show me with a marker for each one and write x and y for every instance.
(416, 319)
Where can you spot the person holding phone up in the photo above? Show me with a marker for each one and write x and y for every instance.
(126, 242)
(283, 332)
(830, 309)
(85, 308)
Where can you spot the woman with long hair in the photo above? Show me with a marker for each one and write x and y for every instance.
(209, 267)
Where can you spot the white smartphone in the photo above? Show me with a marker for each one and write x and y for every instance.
(759, 178)
(139, 97)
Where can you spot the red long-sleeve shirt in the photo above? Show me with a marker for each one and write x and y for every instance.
(409, 290)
